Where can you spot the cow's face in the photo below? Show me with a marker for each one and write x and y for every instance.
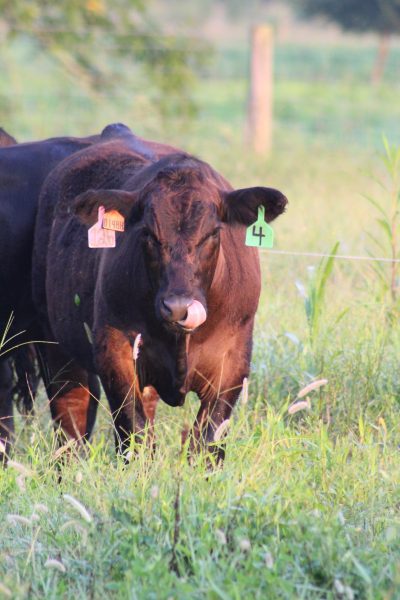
(179, 214)
(181, 230)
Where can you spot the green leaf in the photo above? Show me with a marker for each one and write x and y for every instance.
(376, 205)
(375, 241)
(386, 228)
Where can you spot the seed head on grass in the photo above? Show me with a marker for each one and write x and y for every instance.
(20, 481)
(14, 519)
(79, 508)
(245, 545)
(63, 449)
(305, 404)
(52, 563)
(221, 537)
(40, 508)
(22, 469)
(221, 431)
(297, 406)
(310, 387)
(269, 560)
(339, 587)
(136, 345)
(128, 456)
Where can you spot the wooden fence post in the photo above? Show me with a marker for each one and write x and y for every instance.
(260, 94)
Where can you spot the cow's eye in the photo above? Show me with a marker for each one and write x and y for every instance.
(150, 238)
(212, 235)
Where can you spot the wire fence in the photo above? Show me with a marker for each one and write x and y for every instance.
(336, 256)
(314, 95)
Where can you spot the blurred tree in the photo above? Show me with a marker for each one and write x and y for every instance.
(379, 16)
(96, 41)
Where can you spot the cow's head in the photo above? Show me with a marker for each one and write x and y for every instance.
(179, 213)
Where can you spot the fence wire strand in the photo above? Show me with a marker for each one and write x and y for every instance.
(339, 256)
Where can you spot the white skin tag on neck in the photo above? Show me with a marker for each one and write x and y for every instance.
(99, 237)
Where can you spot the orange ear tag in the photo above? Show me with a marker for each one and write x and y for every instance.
(113, 220)
(99, 237)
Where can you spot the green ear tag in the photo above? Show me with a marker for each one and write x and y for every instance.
(260, 234)
(77, 300)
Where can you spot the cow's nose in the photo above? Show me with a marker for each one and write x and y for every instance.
(174, 308)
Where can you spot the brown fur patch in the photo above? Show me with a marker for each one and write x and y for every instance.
(70, 411)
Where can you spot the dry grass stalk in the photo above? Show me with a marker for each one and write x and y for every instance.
(245, 391)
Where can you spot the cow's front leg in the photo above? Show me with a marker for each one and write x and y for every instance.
(216, 407)
(116, 367)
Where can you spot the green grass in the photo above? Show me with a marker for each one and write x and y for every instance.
(295, 513)
(306, 505)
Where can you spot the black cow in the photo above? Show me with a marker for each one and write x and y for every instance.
(23, 169)
(180, 276)
(19, 374)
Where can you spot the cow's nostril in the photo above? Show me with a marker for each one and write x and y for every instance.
(175, 308)
(166, 307)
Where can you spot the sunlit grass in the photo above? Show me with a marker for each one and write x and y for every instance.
(294, 513)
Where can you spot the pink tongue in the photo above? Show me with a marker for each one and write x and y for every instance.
(196, 315)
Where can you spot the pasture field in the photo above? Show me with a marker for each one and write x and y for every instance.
(307, 505)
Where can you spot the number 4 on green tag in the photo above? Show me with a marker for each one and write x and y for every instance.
(260, 234)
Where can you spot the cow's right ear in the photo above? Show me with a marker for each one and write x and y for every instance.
(86, 205)
(241, 206)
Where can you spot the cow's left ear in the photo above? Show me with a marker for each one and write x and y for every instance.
(240, 206)
(86, 205)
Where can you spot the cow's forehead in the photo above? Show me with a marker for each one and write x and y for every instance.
(187, 210)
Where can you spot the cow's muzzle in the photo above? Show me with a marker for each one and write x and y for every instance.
(185, 312)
